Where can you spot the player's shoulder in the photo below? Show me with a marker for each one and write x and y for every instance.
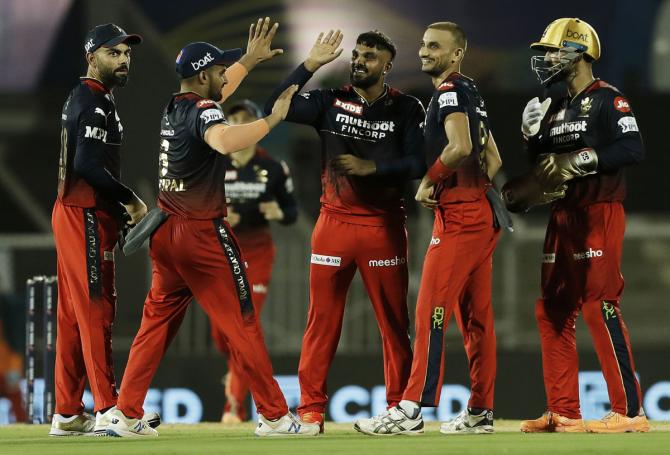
(90, 93)
(403, 99)
(609, 95)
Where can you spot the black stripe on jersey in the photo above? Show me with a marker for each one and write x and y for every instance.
(93, 269)
(613, 322)
(435, 348)
(236, 268)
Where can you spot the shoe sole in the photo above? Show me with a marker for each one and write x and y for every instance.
(279, 435)
(626, 430)
(64, 433)
(487, 429)
(400, 433)
(127, 434)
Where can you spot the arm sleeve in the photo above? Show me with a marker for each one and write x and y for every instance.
(89, 160)
(235, 75)
(412, 164)
(626, 147)
(284, 195)
(305, 107)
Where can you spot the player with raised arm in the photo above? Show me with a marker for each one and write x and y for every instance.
(194, 252)
(371, 142)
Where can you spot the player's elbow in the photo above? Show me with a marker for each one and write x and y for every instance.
(462, 151)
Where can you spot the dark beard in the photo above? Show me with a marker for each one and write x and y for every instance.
(112, 79)
(364, 83)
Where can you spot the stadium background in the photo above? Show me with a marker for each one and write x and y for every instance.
(41, 57)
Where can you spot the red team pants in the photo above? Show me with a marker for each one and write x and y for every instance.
(456, 278)
(85, 240)
(259, 259)
(581, 272)
(199, 258)
(380, 253)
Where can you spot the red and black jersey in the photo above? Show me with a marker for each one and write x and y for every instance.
(458, 93)
(388, 131)
(90, 164)
(261, 179)
(599, 117)
(190, 173)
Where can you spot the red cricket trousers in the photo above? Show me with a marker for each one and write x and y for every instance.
(380, 253)
(85, 241)
(456, 277)
(199, 258)
(259, 259)
(581, 271)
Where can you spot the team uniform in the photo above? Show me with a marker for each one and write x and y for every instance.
(457, 268)
(195, 254)
(262, 179)
(361, 225)
(582, 248)
(86, 221)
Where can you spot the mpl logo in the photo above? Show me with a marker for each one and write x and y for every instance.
(203, 61)
(348, 106)
(591, 253)
(96, 133)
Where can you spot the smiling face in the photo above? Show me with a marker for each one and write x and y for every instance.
(438, 51)
(111, 64)
(368, 65)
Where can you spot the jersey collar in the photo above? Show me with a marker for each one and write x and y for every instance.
(94, 84)
(384, 93)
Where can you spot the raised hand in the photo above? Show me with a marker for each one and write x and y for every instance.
(260, 41)
(283, 103)
(324, 50)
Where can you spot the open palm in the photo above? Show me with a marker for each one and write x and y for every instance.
(325, 49)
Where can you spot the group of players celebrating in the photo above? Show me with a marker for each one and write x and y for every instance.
(374, 138)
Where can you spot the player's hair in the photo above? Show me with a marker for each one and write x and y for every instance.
(377, 39)
(456, 31)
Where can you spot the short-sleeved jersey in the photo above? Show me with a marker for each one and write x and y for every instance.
(387, 128)
(190, 173)
(261, 179)
(89, 119)
(596, 118)
(458, 93)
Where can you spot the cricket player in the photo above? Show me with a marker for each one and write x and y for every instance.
(86, 221)
(462, 158)
(371, 143)
(194, 251)
(259, 189)
(582, 142)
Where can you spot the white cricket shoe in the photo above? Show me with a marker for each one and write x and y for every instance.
(122, 427)
(102, 420)
(468, 423)
(288, 425)
(392, 422)
(76, 425)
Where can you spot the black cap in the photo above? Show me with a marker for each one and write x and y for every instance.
(108, 35)
(195, 57)
(246, 105)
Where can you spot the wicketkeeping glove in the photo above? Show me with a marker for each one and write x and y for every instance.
(555, 169)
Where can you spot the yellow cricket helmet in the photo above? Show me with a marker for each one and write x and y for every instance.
(570, 32)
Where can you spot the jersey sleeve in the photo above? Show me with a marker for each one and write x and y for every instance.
(625, 146)
(283, 192)
(305, 107)
(205, 114)
(89, 160)
(412, 164)
(450, 100)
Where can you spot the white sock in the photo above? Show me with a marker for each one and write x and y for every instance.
(411, 408)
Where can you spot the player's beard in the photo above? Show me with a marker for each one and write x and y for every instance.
(364, 82)
(115, 78)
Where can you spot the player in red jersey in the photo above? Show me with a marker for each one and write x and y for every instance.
(583, 141)
(86, 223)
(259, 189)
(371, 143)
(456, 276)
(194, 252)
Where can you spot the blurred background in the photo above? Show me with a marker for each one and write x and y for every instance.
(41, 58)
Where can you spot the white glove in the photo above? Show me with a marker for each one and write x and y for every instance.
(532, 116)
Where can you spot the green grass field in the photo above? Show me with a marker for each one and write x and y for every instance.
(339, 439)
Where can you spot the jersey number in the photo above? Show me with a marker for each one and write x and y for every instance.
(163, 160)
(62, 161)
(483, 141)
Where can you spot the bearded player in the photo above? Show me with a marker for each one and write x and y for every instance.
(371, 143)
(582, 141)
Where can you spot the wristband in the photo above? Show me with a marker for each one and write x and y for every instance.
(439, 171)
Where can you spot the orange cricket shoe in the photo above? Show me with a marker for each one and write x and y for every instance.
(313, 417)
(551, 422)
(619, 423)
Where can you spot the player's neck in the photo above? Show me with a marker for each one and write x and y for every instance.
(581, 81)
(92, 73)
(371, 94)
(199, 90)
(437, 80)
(242, 157)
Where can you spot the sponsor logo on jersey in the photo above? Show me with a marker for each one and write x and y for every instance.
(96, 133)
(231, 174)
(435, 241)
(245, 190)
(204, 103)
(591, 253)
(621, 104)
(627, 124)
(558, 117)
(387, 262)
(305, 95)
(348, 106)
(567, 132)
(585, 107)
(100, 111)
(448, 99)
(445, 86)
(549, 258)
(203, 61)
(365, 129)
(211, 115)
(333, 261)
